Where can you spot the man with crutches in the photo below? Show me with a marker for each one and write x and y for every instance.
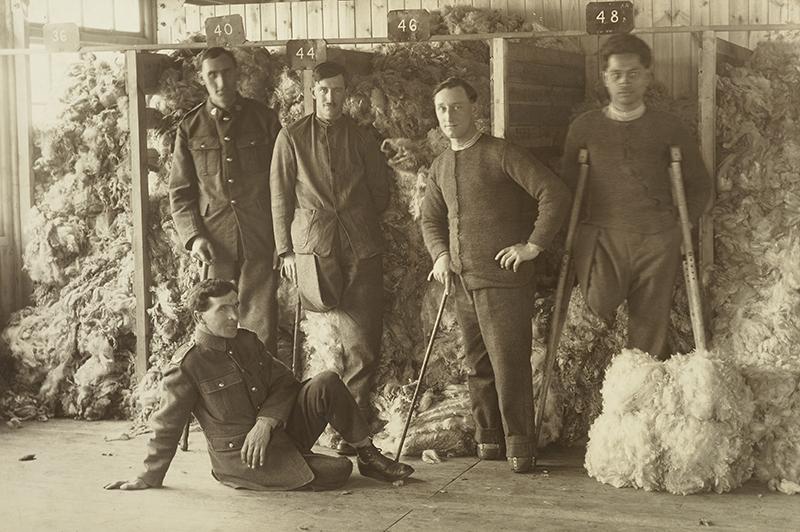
(628, 241)
(474, 226)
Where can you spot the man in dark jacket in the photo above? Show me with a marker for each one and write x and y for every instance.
(329, 184)
(628, 244)
(219, 191)
(473, 223)
(259, 421)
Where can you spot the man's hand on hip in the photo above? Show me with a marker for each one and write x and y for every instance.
(513, 256)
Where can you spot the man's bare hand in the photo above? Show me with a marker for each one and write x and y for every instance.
(202, 250)
(513, 256)
(136, 484)
(254, 449)
(289, 268)
(441, 271)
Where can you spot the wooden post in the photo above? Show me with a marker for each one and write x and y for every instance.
(707, 94)
(499, 74)
(308, 91)
(23, 187)
(140, 208)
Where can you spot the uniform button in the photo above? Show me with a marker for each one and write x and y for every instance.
(202, 145)
(230, 351)
(230, 445)
(225, 118)
(233, 202)
(230, 181)
(252, 142)
(228, 139)
(221, 385)
(254, 389)
(213, 111)
(229, 159)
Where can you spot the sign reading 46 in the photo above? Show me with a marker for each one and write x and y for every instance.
(409, 25)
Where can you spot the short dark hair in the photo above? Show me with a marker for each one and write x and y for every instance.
(213, 53)
(328, 70)
(197, 296)
(625, 44)
(452, 83)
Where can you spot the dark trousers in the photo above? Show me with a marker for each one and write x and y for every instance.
(616, 265)
(359, 316)
(324, 400)
(258, 303)
(496, 324)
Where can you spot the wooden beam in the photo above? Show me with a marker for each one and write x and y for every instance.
(308, 91)
(499, 76)
(707, 107)
(140, 211)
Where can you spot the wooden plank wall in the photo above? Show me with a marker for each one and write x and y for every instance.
(676, 56)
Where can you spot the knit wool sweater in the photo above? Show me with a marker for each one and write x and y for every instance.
(629, 186)
(478, 201)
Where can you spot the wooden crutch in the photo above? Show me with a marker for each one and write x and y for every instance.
(297, 368)
(689, 263)
(566, 280)
(421, 374)
(183, 443)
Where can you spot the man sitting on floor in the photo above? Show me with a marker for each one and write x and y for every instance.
(259, 421)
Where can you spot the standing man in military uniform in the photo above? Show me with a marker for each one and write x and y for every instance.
(329, 184)
(219, 191)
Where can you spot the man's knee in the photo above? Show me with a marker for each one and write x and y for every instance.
(326, 380)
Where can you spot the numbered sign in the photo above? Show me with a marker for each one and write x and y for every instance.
(225, 30)
(609, 17)
(305, 54)
(62, 37)
(409, 25)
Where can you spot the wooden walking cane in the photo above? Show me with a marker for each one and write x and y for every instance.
(689, 263)
(421, 374)
(566, 280)
(183, 443)
(297, 368)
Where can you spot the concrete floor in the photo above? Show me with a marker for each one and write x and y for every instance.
(61, 491)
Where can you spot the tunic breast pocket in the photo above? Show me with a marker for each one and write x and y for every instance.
(255, 153)
(205, 153)
(225, 395)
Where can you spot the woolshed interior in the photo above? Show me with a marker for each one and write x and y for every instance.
(93, 273)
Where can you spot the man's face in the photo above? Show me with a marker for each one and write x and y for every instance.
(455, 113)
(222, 316)
(219, 75)
(329, 94)
(626, 80)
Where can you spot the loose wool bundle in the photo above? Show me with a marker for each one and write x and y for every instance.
(683, 425)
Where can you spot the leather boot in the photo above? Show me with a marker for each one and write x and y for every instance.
(371, 463)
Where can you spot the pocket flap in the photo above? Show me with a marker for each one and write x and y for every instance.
(249, 142)
(227, 443)
(221, 382)
(204, 143)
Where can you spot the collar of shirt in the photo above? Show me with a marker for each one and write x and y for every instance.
(470, 143)
(209, 340)
(218, 113)
(329, 124)
(624, 116)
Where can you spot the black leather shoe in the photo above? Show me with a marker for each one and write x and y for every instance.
(371, 463)
(521, 464)
(491, 451)
(345, 449)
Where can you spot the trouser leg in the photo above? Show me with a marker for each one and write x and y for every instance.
(505, 315)
(601, 269)
(257, 283)
(656, 263)
(480, 374)
(323, 400)
(360, 314)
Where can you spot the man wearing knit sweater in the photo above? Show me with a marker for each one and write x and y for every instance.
(474, 226)
(628, 244)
